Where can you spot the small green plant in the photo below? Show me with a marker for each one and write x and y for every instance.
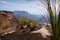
(26, 21)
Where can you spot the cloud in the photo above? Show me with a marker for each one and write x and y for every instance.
(31, 7)
(4, 2)
(23, 0)
(26, 0)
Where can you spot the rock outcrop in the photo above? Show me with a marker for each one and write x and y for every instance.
(8, 23)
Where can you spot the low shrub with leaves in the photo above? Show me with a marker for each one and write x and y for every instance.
(26, 21)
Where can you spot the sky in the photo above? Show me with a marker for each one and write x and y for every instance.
(31, 6)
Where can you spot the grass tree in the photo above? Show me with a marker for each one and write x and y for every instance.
(54, 24)
(54, 20)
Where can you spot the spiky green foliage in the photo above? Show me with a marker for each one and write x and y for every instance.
(55, 23)
(58, 27)
(22, 21)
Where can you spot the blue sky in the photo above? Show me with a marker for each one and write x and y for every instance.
(31, 6)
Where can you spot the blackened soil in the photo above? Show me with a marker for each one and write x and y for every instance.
(22, 36)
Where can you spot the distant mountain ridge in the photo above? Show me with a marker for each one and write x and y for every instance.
(26, 14)
(35, 17)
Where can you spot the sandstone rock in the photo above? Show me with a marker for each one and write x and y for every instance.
(8, 22)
